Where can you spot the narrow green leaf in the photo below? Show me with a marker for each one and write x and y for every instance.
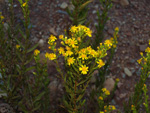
(31, 49)
(22, 34)
(38, 97)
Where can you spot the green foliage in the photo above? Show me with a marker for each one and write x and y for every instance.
(80, 11)
(25, 91)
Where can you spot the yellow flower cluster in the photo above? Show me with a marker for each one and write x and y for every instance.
(80, 29)
(105, 91)
(36, 52)
(50, 56)
(108, 109)
(145, 59)
(73, 51)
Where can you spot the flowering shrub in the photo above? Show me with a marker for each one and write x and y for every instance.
(80, 62)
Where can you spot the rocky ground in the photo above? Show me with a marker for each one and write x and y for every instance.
(132, 17)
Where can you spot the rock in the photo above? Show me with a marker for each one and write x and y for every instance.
(41, 43)
(94, 11)
(122, 95)
(127, 72)
(124, 2)
(142, 48)
(64, 5)
(53, 86)
(109, 84)
(52, 30)
(6, 26)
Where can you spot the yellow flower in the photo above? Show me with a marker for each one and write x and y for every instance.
(61, 37)
(61, 50)
(117, 80)
(108, 43)
(83, 56)
(112, 107)
(73, 29)
(107, 92)
(88, 32)
(139, 61)
(116, 29)
(100, 97)
(2, 17)
(70, 61)
(50, 56)
(104, 89)
(52, 38)
(100, 63)
(72, 42)
(101, 112)
(17, 46)
(93, 53)
(68, 53)
(24, 4)
(147, 50)
(36, 52)
(68, 48)
(83, 69)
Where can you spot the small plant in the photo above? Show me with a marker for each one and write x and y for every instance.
(25, 90)
(80, 63)
(137, 98)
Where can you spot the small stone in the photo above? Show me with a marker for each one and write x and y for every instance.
(142, 48)
(94, 11)
(127, 72)
(64, 5)
(109, 84)
(6, 26)
(53, 86)
(52, 30)
(41, 43)
(119, 84)
(124, 2)
(122, 95)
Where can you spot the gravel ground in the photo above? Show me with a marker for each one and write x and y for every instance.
(47, 17)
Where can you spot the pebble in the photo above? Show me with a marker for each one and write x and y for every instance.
(62, 12)
(6, 26)
(109, 84)
(122, 95)
(124, 2)
(127, 72)
(64, 5)
(94, 11)
(53, 86)
(52, 30)
(41, 43)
